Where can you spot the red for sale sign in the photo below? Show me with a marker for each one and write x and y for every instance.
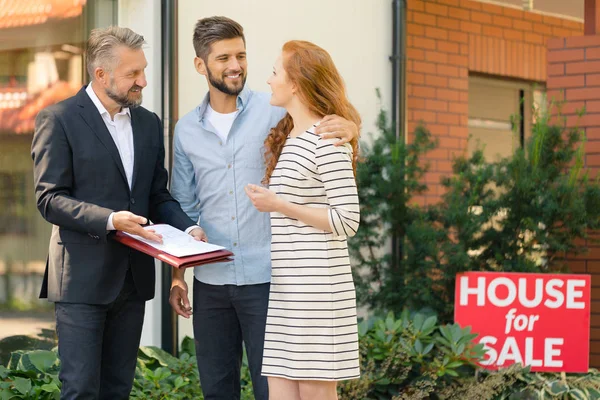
(541, 320)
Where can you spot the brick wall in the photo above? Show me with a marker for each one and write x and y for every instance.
(574, 76)
(447, 39)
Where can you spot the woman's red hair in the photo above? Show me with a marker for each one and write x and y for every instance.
(320, 87)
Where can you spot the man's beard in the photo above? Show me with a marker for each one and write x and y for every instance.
(222, 86)
(122, 99)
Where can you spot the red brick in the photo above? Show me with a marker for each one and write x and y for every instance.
(438, 130)
(437, 57)
(533, 16)
(555, 95)
(415, 29)
(481, 17)
(491, 8)
(470, 4)
(436, 9)
(556, 69)
(534, 38)
(424, 43)
(570, 24)
(556, 43)
(577, 267)
(448, 47)
(464, 49)
(436, 105)
(447, 70)
(415, 54)
(424, 116)
(543, 29)
(565, 55)
(549, 20)
(502, 21)
(437, 81)
(584, 121)
(583, 41)
(513, 13)
(459, 13)
(592, 107)
(459, 108)
(416, 103)
(470, 27)
(446, 94)
(592, 160)
(415, 78)
(447, 118)
(522, 25)
(448, 23)
(492, 31)
(436, 33)
(511, 34)
(417, 5)
(444, 166)
(583, 67)
(560, 32)
(437, 154)
(423, 91)
(424, 19)
(573, 81)
(449, 2)
(572, 107)
(593, 80)
(463, 96)
(425, 67)
(449, 143)
(458, 60)
(592, 53)
(460, 37)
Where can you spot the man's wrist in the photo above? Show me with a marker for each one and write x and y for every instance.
(191, 228)
(109, 224)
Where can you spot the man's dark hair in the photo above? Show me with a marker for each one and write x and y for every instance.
(212, 29)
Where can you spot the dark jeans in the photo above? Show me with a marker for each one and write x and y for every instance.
(224, 317)
(98, 345)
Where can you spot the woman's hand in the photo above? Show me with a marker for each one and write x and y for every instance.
(264, 200)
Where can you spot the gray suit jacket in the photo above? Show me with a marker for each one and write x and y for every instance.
(79, 180)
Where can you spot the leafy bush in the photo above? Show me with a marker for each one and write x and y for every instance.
(523, 213)
(415, 358)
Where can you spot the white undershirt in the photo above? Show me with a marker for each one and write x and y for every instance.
(221, 122)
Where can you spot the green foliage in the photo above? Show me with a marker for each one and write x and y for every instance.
(523, 213)
(410, 357)
(414, 357)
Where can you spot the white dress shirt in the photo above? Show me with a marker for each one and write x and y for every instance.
(122, 133)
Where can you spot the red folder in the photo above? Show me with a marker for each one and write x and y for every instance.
(177, 262)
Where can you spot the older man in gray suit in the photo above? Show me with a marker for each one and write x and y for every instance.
(98, 167)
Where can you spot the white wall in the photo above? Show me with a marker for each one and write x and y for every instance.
(357, 34)
(143, 17)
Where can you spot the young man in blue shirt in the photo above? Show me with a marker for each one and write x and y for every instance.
(218, 151)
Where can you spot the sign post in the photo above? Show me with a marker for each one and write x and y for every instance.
(540, 320)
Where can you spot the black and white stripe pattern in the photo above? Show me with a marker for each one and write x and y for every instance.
(311, 331)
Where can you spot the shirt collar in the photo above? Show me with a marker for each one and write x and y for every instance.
(101, 109)
(241, 102)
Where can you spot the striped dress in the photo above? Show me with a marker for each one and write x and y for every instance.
(311, 331)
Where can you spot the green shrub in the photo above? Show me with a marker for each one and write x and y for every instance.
(523, 213)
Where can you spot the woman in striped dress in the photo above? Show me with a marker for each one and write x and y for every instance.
(311, 339)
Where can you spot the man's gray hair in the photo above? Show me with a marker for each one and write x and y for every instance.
(102, 44)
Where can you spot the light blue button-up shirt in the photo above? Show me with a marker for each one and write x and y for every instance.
(209, 177)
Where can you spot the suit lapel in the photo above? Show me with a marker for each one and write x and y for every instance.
(137, 144)
(92, 117)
